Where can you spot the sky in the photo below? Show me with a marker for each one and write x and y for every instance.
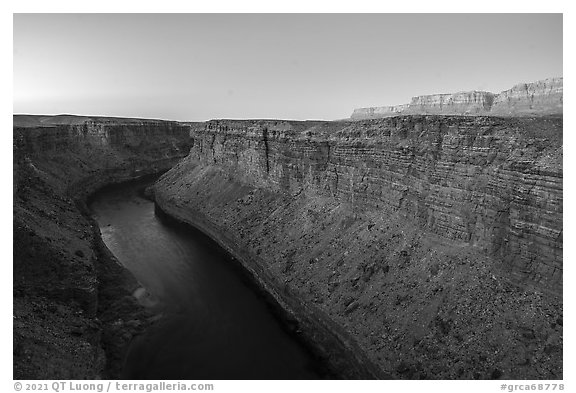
(195, 67)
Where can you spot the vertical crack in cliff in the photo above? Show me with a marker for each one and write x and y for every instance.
(335, 192)
(266, 148)
(212, 147)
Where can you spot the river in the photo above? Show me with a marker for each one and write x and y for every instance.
(214, 325)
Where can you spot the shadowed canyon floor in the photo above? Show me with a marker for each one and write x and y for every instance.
(214, 325)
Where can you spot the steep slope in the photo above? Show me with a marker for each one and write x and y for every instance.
(73, 310)
(433, 244)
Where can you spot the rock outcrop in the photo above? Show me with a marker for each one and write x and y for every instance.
(434, 243)
(73, 310)
(526, 99)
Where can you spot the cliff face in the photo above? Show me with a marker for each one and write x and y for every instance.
(435, 243)
(380, 111)
(539, 98)
(545, 97)
(87, 147)
(73, 313)
(469, 103)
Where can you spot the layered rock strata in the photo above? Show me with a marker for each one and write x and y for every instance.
(542, 97)
(73, 310)
(433, 243)
(526, 99)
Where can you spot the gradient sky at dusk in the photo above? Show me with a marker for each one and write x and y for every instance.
(290, 66)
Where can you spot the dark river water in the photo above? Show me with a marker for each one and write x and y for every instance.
(214, 325)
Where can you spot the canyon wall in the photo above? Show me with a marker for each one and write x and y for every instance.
(543, 97)
(433, 243)
(73, 310)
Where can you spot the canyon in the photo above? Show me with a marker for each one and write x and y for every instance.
(74, 313)
(431, 244)
(409, 246)
(524, 99)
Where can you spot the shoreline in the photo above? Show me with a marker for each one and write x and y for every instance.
(117, 285)
(319, 333)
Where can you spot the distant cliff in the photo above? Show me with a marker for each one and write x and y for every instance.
(537, 98)
(542, 97)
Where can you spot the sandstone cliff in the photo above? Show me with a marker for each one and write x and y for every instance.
(380, 111)
(468, 103)
(434, 243)
(542, 97)
(73, 313)
(539, 98)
